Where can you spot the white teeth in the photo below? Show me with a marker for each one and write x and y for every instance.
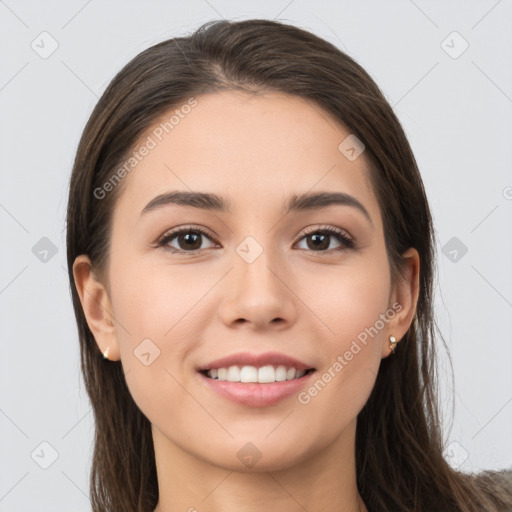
(265, 374)
(233, 374)
(268, 374)
(248, 374)
(280, 373)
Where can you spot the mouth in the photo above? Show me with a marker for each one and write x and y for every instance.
(254, 386)
(268, 374)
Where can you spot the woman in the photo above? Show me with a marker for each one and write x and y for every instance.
(285, 358)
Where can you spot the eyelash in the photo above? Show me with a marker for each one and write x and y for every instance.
(345, 241)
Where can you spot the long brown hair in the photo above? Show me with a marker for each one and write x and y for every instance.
(399, 445)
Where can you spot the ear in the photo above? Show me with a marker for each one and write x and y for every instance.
(404, 296)
(96, 306)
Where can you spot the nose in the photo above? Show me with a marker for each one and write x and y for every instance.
(258, 294)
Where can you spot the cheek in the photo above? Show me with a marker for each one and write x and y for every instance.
(352, 304)
(348, 298)
(153, 301)
(158, 309)
(162, 313)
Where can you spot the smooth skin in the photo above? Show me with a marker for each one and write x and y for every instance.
(255, 151)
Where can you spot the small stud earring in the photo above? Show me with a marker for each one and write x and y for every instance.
(393, 341)
(105, 354)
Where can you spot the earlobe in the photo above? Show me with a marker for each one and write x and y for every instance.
(405, 293)
(96, 307)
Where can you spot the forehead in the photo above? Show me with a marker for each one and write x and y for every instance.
(255, 150)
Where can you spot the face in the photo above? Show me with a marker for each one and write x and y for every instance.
(312, 282)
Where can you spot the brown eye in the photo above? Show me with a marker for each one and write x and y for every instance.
(320, 240)
(188, 240)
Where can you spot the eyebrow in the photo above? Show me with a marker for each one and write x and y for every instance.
(296, 203)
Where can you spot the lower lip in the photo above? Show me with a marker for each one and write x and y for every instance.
(254, 394)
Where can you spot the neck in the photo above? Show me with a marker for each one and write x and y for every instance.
(323, 481)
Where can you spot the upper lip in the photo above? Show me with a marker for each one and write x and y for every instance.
(258, 360)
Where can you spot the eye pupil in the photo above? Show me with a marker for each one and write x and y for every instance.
(316, 238)
(186, 237)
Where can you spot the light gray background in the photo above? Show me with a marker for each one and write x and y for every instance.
(456, 113)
